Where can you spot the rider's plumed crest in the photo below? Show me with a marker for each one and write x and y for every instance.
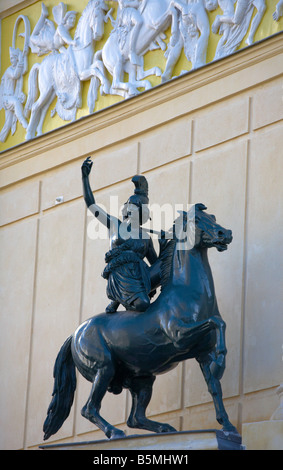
(141, 189)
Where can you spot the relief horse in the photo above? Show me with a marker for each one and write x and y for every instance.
(127, 350)
(157, 15)
(60, 73)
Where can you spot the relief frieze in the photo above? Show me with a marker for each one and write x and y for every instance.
(106, 45)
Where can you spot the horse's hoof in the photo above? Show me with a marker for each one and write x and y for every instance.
(229, 429)
(167, 428)
(114, 433)
(164, 78)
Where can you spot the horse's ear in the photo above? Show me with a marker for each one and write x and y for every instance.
(194, 209)
(200, 207)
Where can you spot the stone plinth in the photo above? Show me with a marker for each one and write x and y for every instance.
(187, 440)
(263, 435)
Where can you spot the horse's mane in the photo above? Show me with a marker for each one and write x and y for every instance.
(165, 257)
(167, 251)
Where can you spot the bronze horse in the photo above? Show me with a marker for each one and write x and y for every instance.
(128, 349)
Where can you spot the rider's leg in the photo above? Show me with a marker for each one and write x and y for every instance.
(141, 303)
(112, 307)
(18, 109)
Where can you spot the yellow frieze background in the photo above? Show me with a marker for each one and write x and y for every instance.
(266, 28)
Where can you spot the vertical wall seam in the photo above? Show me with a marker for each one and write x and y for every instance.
(190, 192)
(139, 158)
(32, 315)
(192, 160)
(244, 272)
(83, 265)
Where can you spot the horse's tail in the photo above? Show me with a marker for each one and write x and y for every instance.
(32, 88)
(64, 389)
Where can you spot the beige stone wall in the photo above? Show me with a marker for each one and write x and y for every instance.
(213, 136)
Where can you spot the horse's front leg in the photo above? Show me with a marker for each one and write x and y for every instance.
(118, 86)
(141, 73)
(214, 387)
(220, 327)
(217, 366)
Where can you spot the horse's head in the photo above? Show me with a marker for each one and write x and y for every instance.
(202, 227)
(91, 23)
(192, 229)
(196, 228)
(98, 19)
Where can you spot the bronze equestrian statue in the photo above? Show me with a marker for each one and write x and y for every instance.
(128, 349)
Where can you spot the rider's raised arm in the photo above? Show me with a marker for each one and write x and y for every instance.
(112, 223)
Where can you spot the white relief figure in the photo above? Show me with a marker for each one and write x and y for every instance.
(119, 54)
(191, 33)
(223, 29)
(11, 88)
(279, 11)
(238, 21)
(61, 72)
(45, 37)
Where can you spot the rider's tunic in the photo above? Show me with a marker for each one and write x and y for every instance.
(126, 272)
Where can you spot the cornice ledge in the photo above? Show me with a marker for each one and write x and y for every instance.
(8, 7)
(158, 95)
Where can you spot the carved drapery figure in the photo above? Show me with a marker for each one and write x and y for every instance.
(11, 88)
(11, 95)
(190, 33)
(127, 274)
(233, 25)
(279, 11)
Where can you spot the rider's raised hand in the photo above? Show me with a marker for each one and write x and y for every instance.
(86, 166)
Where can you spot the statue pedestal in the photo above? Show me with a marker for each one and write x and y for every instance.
(263, 435)
(187, 440)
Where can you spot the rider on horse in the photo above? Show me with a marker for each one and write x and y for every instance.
(127, 274)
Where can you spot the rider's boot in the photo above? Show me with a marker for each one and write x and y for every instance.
(112, 307)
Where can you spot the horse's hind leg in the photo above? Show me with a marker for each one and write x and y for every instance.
(92, 407)
(214, 388)
(43, 114)
(141, 391)
(39, 107)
